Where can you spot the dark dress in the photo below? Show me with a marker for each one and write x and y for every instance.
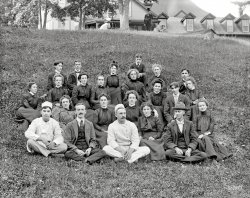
(193, 95)
(153, 78)
(28, 108)
(133, 113)
(137, 86)
(152, 127)
(82, 94)
(72, 81)
(113, 88)
(102, 119)
(51, 83)
(55, 94)
(182, 87)
(96, 92)
(142, 69)
(204, 122)
(63, 116)
(158, 101)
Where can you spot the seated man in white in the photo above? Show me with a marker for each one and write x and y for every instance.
(44, 134)
(123, 139)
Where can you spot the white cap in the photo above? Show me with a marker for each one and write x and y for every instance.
(119, 106)
(47, 104)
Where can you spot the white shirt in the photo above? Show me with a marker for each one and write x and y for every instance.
(77, 74)
(176, 97)
(180, 124)
(79, 121)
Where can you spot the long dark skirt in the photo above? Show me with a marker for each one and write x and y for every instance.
(213, 148)
(27, 114)
(115, 95)
(157, 151)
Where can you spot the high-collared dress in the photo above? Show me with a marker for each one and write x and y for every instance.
(133, 113)
(96, 92)
(113, 86)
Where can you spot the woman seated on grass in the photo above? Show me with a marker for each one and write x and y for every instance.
(184, 74)
(157, 98)
(58, 91)
(63, 114)
(133, 111)
(204, 126)
(150, 129)
(113, 85)
(157, 69)
(193, 94)
(27, 110)
(134, 84)
(102, 118)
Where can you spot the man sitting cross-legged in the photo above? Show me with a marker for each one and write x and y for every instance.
(44, 134)
(80, 137)
(181, 139)
(123, 139)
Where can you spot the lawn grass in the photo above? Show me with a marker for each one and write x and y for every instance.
(219, 67)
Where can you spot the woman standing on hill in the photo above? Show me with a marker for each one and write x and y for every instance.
(150, 129)
(184, 74)
(134, 84)
(113, 85)
(204, 126)
(63, 114)
(28, 107)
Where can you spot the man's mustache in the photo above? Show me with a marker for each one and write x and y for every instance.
(123, 117)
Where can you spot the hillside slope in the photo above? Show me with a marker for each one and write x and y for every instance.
(217, 65)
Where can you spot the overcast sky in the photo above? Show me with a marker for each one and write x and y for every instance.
(219, 8)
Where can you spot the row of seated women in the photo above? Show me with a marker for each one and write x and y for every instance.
(150, 117)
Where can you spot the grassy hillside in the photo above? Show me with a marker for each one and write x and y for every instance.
(219, 67)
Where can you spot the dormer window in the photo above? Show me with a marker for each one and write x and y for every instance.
(230, 26)
(188, 21)
(210, 24)
(245, 25)
(190, 25)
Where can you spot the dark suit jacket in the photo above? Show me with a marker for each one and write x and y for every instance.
(169, 104)
(51, 83)
(141, 68)
(72, 81)
(170, 137)
(71, 134)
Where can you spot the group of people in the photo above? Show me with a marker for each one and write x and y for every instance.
(126, 121)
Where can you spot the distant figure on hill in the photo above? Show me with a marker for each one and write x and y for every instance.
(123, 139)
(148, 20)
(106, 25)
(73, 77)
(44, 134)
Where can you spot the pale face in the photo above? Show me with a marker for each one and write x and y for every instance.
(157, 88)
(100, 81)
(132, 99)
(133, 75)
(33, 88)
(184, 74)
(202, 106)
(121, 115)
(80, 111)
(58, 67)
(65, 103)
(157, 71)
(175, 90)
(189, 84)
(58, 81)
(138, 60)
(84, 79)
(113, 70)
(104, 102)
(179, 114)
(78, 66)
(147, 111)
(46, 113)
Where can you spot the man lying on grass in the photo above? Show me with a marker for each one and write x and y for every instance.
(181, 139)
(123, 139)
(44, 134)
(80, 137)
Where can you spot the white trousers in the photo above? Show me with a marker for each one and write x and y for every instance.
(139, 153)
(34, 146)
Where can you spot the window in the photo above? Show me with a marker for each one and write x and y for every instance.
(230, 26)
(210, 24)
(245, 25)
(190, 25)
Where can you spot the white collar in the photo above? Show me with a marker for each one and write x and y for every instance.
(176, 95)
(79, 120)
(180, 122)
(31, 93)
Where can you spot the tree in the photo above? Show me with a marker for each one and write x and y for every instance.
(242, 5)
(124, 12)
(78, 10)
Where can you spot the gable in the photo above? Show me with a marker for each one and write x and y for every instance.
(209, 16)
(180, 14)
(228, 17)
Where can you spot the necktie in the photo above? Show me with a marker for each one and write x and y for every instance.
(81, 125)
